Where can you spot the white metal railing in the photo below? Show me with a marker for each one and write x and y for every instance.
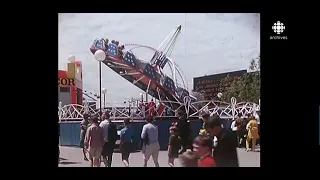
(226, 110)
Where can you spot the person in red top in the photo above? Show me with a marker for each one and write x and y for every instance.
(202, 146)
(151, 106)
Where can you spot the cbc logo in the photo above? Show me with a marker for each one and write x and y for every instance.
(278, 27)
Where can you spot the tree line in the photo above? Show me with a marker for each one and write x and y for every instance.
(245, 88)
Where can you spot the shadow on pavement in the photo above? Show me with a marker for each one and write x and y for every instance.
(72, 146)
(118, 151)
(62, 158)
(66, 162)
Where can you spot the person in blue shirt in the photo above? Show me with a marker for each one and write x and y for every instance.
(126, 137)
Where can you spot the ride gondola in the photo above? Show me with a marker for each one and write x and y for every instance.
(148, 74)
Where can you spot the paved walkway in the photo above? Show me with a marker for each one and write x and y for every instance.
(72, 157)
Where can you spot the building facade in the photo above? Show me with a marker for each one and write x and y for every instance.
(70, 84)
(210, 86)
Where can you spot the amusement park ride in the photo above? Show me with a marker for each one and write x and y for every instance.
(170, 89)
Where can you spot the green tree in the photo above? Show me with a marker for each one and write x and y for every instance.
(247, 87)
(199, 97)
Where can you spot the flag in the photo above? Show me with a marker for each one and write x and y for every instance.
(168, 83)
(113, 49)
(150, 71)
(100, 44)
(130, 59)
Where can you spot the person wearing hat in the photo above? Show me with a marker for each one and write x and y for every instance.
(225, 152)
(84, 126)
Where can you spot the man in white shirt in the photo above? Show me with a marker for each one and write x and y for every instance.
(234, 128)
(151, 145)
(104, 125)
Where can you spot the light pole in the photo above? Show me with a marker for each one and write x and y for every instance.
(142, 105)
(129, 104)
(104, 91)
(124, 102)
(130, 101)
(100, 56)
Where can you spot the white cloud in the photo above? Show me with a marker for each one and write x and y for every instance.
(208, 44)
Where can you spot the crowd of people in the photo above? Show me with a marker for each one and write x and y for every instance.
(246, 127)
(120, 48)
(215, 146)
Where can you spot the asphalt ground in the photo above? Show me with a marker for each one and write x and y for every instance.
(72, 157)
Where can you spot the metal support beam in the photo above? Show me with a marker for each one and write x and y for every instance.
(147, 91)
(135, 81)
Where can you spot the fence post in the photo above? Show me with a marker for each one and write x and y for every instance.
(113, 112)
(186, 102)
(143, 111)
(60, 111)
(86, 106)
(254, 107)
(233, 106)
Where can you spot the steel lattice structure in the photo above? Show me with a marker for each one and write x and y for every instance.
(226, 110)
(148, 74)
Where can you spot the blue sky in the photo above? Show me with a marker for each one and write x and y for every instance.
(208, 44)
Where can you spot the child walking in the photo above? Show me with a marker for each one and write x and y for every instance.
(189, 159)
(202, 146)
(174, 145)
